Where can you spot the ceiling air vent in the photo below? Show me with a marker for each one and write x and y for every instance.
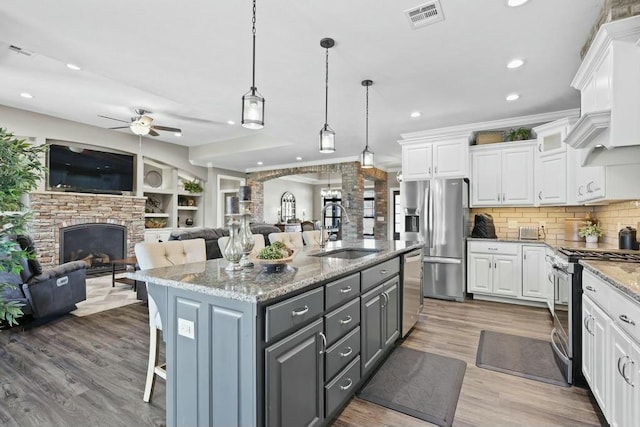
(19, 50)
(425, 14)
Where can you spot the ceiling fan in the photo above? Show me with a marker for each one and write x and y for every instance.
(141, 124)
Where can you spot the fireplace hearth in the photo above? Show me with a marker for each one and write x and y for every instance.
(96, 244)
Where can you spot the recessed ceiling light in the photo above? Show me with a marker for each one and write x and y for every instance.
(515, 63)
(298, 158)
(512, 97)
(26, 95)
(260, 163)
(516, 3)
(177, 134)
(416, 114)
(231, 122)
(73, 67)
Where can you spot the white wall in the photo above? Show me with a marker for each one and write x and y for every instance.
(273, 191)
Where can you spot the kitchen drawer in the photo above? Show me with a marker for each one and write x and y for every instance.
(342, 387)
(596, 289)
(625, 313)
(342, 320)
(493, 247)
(292, 312)
(342, 352)
(341, 290)
(379, 273)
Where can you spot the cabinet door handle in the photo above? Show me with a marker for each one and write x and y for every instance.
(540, 195)
(580, 191)
(524, 256)
(429, 172)
(302, 312)
(495, 265)
(436, 169)
(323, 349)
(619, 361)
(498, 196)
(348, 385)
(589, 187)
(591, 288)
(540, 148)
(624, 371)
(346, 353)
(504, 197)
(346, 320)
(591, 320)
(625, 319)
(383, 271)
(585, 323)
(345, 290)
(386, 299)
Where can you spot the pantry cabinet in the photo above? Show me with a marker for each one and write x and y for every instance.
(502, 175)
(435, 158)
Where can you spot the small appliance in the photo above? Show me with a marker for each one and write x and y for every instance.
(627, 238)
(528, 233)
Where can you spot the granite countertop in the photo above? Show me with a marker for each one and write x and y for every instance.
(623, 275)
(257, 285)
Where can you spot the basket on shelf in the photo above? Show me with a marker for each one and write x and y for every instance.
(155, 222)
(489, 137)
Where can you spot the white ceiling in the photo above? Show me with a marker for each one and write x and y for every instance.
(190, 63)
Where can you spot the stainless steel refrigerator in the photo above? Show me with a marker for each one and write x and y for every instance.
(444, 223)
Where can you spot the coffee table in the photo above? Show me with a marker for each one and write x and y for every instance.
(125, 261)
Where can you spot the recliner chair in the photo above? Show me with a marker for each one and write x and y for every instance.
(45, 293)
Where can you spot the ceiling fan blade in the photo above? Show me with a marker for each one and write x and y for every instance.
(153, 133)
(111, 118)
(166, 128)
(120, 127)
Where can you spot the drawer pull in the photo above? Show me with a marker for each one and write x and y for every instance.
(345, 290)
(591, 288)
(625, 319)
(348, 385)
(346, 353)
(384, 271)
(302, 312)
(346, 320)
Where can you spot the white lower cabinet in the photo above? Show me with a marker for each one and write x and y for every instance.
(493, 269)
(610, 350)
(153, 236)
(534, 277)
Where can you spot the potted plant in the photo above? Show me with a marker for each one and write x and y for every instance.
(193, 186)
(519, 134)
(20, 171)
(590, 232)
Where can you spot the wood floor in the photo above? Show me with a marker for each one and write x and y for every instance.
(487, 398)
(90, 371)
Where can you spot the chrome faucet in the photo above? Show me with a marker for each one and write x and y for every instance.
(324, 208)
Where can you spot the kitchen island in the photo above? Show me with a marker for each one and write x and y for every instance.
(254, 348)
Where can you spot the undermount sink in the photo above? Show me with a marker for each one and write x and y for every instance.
(347, 253)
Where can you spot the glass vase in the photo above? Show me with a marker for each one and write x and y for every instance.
(246, 240)
(233, 251)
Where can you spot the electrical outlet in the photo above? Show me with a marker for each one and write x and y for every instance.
(542, 224)
(513, 224)
(186, 328)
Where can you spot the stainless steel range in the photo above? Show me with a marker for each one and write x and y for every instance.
(566, 337)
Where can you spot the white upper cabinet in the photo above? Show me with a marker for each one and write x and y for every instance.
(446, 157)
(502, 174)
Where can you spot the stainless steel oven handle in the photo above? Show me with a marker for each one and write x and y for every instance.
(556, 349)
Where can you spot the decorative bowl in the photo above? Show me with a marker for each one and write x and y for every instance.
(274, 265)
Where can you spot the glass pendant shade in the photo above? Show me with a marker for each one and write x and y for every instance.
(252, 110)
(327, 140)
(366, 158)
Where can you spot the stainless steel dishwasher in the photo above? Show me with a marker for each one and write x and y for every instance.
(411, 289)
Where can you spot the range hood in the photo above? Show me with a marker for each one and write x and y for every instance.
(608, 131)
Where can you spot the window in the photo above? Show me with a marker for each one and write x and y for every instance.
(332, 216)
(369, 213)
(287, 206)
(397, 215)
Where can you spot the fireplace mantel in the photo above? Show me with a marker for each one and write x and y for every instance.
(53, 210)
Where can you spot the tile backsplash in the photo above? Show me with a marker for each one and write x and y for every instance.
(612, 218)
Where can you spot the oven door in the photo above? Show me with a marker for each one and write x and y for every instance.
(561, 335)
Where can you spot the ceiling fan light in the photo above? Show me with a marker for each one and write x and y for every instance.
(139, 128)
(252, 110)
(366, 158)
(327, 140)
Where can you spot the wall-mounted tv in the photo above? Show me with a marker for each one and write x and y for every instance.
(83, 170)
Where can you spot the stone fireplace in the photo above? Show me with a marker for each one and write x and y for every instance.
(55, 213)
(95, 244)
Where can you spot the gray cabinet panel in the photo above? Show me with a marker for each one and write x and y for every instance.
(391, 312)
(379, 273)
(293, 312)
(294, 379)
(341, 353)
(341, 290)
(371, 321)
(341, 388)
(186, 362)
(342, 320)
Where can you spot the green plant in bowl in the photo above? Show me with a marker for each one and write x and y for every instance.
(193, 186)
(519, 134)
(590, 230)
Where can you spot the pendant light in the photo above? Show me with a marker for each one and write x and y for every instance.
(252, 101)
(366, 158)
(327, 135)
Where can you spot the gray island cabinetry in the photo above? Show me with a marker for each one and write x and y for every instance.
(255, 348)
